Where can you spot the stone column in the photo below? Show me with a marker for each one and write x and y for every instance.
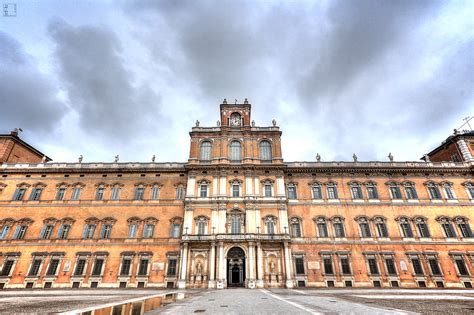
(289, 278)
(251, 265)
(212, 267)
(184, 264)
(259, 266)
(221, 276)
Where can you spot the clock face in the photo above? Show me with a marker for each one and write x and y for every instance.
(235, 120)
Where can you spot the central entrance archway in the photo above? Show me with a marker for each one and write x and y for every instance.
(235, 267)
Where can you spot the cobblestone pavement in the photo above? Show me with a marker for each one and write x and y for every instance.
(240, 301)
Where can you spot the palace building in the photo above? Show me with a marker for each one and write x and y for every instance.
(237, 214)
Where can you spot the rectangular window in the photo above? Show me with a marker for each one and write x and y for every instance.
(4, 232)
(373, 267)
(268, 190)
(291, 192)
(345, 266)
(19, 194)
(99, 195)
(60, 193)
(299, 264)
(63, 231)
(115, 193)
(296, 229)
(235, 190)
(35, 266)
(390, 264)
(434, 266)
(372, 192)
(461, 266)
(327, 262)
(317, 193)
(7, 267)
(143, 267)
(395, 192)
(46, 232)
(53, 267)
(36, 193)
(125, 270)
(97, 271)
(406, 229)
(270, 227)
(171, 272)
(203, 191)
(417, 268)
(132, 230)
(155, 193)
(470, 190)
(411, 192)
(423, 229)
(148, 230)
(139, 192)
(332, 192)
(76, 193)
(20, 232)
(80, 266)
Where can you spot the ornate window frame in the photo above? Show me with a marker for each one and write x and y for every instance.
(292, 223)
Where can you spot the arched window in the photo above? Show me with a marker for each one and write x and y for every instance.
(364, 226)
(235, 221)
(270, 224)
(422, 227)
(235, 151)
(149, 227)
(133, 224)
(176, 223)
(317, 191)
(295, 227)
(291, 190)
(265, 151)
(463, 226)
(338, 225)
(201, 225)
(356, 190)
(180, 192)
(322, 227)
(448, 191)
(433, 190)
(380, 226)
(205, 154)
(469, 186)
(447, 227)
(405, 226)
(371, 188)
(410, 191)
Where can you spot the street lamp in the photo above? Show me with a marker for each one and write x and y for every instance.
(258, 230)
(186, 232)
(213, 229)
(285, 227)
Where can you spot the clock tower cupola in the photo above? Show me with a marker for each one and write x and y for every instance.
(235, 115)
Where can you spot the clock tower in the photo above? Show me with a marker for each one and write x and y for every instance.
(235, 115)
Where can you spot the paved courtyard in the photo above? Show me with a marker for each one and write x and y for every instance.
(239, 301)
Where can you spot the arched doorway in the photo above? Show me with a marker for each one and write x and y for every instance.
(235, 267)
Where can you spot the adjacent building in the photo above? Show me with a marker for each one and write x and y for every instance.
(237, 214)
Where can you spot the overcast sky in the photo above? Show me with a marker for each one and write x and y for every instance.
(101, 78)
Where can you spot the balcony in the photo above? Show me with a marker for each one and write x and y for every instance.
(235, 237)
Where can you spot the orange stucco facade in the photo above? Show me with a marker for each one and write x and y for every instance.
(236, 214)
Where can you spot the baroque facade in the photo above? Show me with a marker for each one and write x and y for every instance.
(236, 214)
